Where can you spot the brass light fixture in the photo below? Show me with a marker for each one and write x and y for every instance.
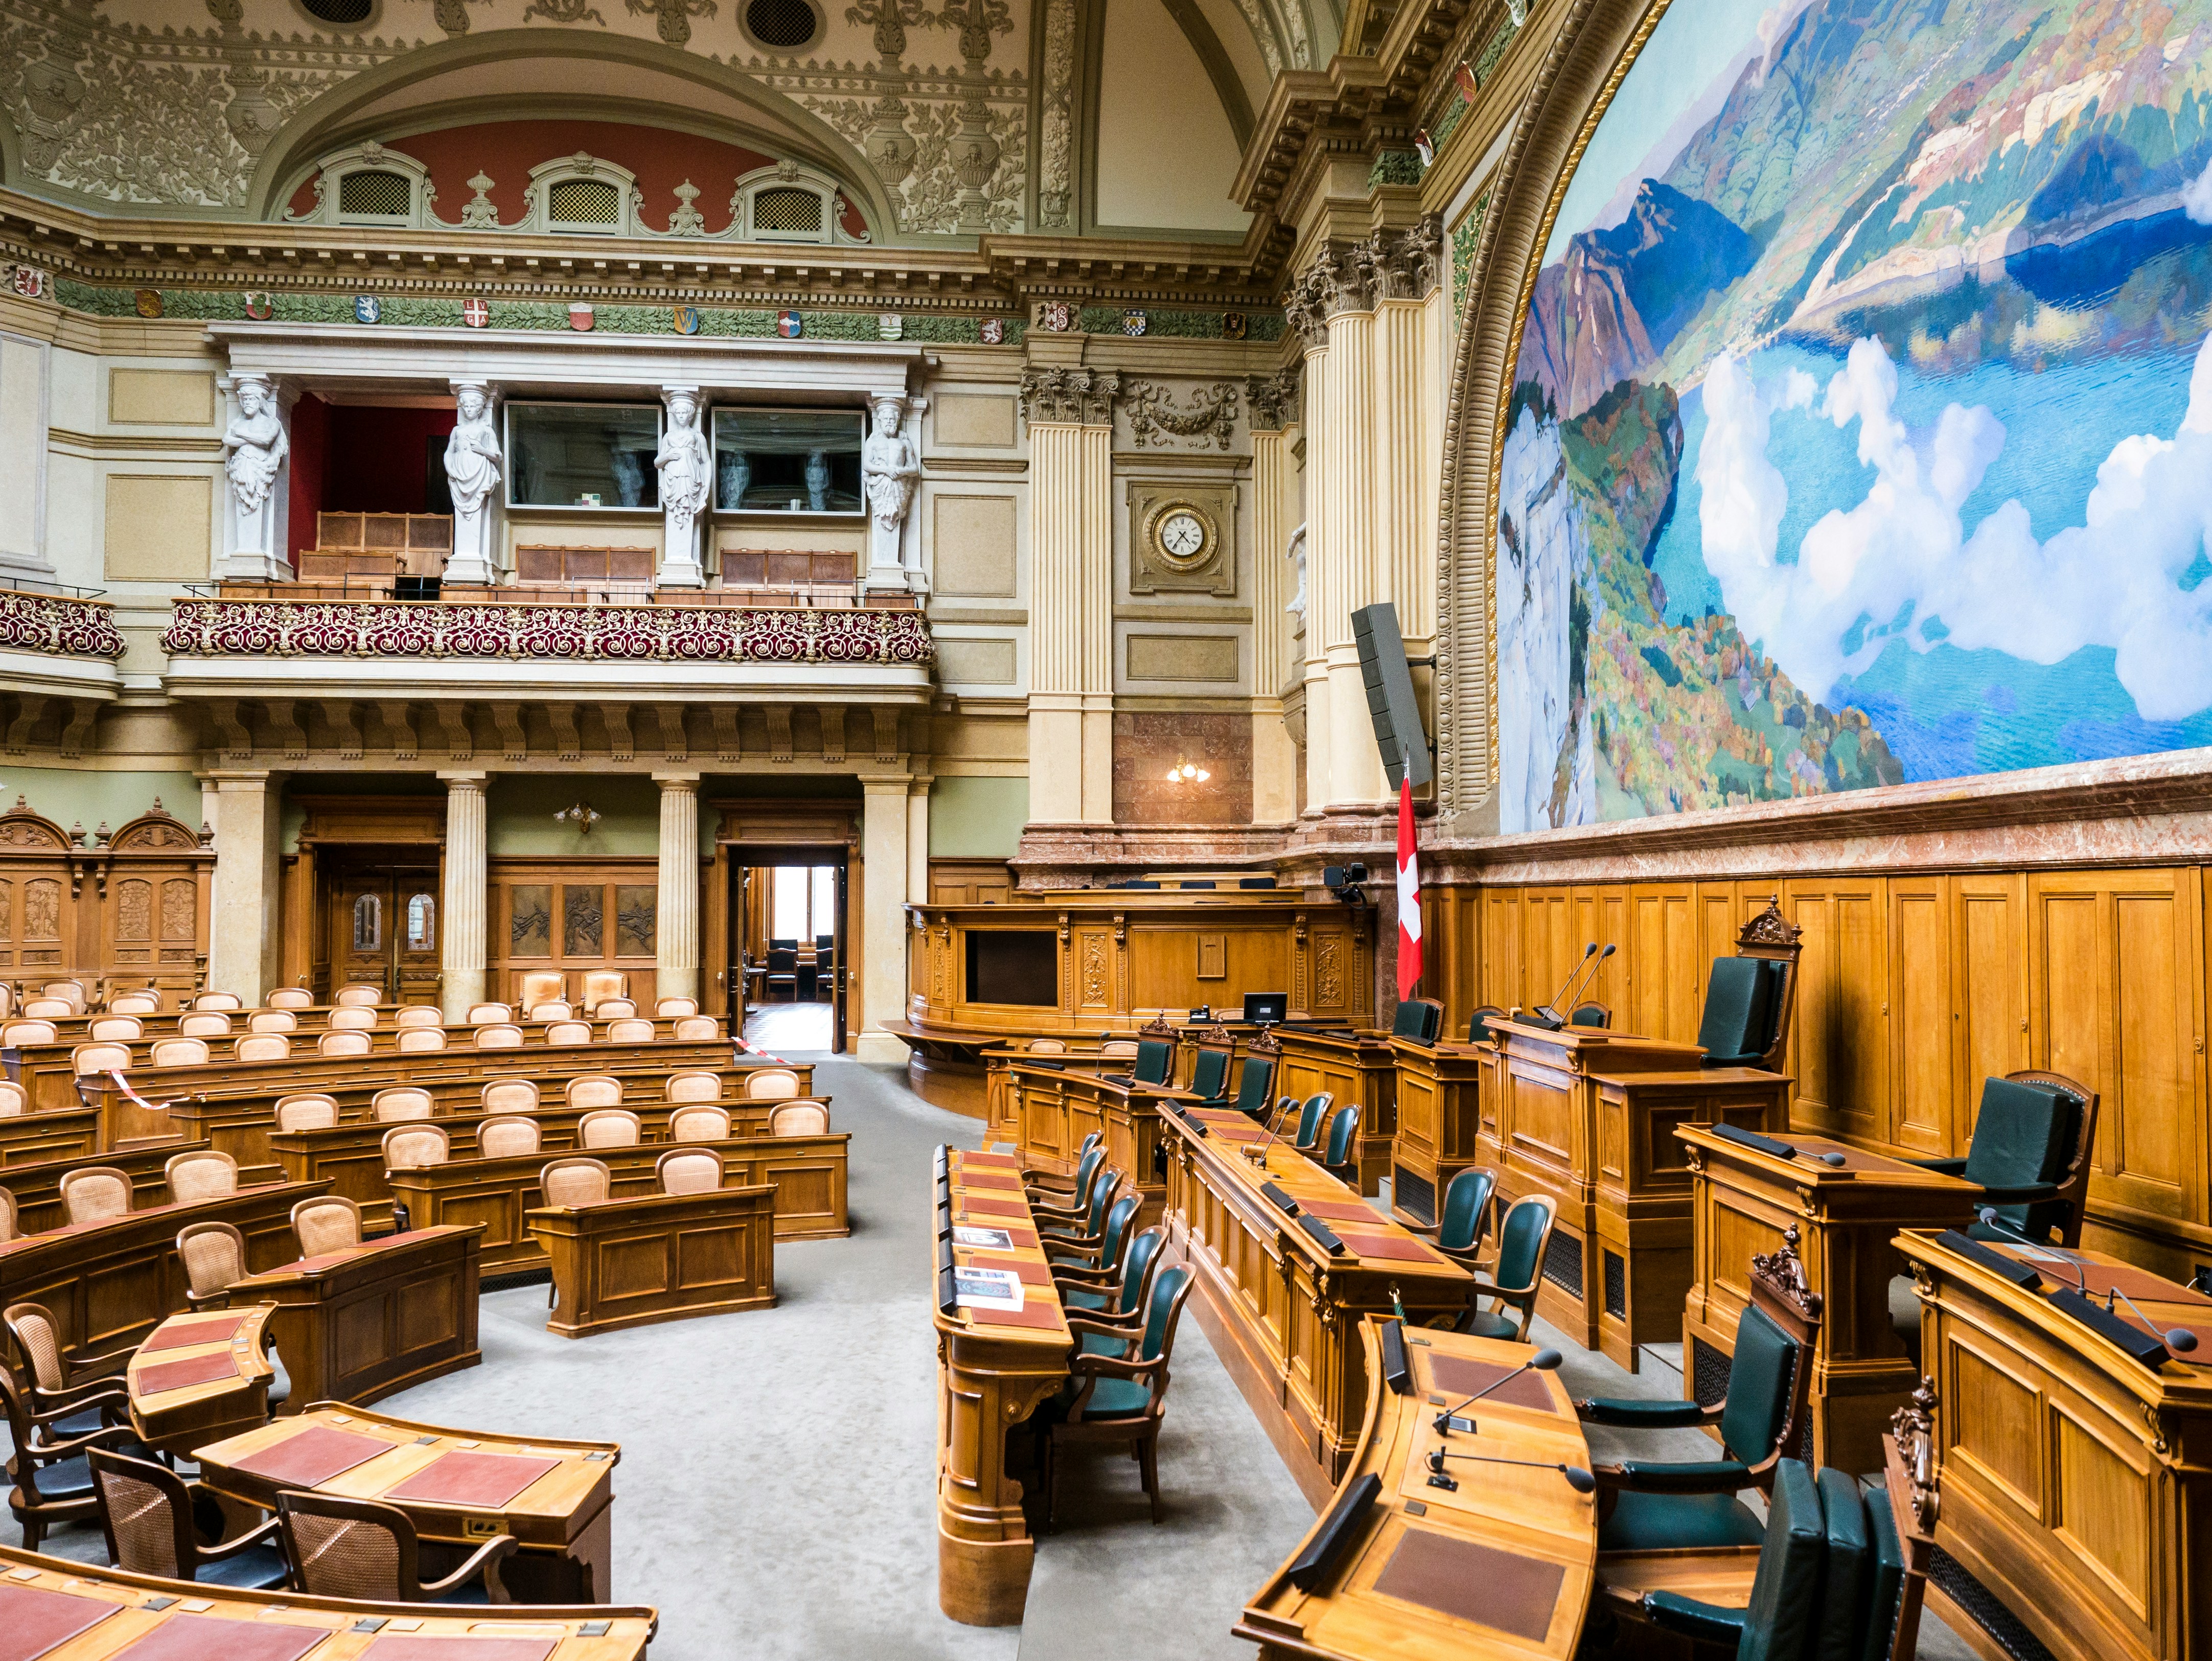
(583, 816)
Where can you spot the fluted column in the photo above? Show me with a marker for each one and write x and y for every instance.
(461, 954)
(245, 809)
(1341, 555)
(1408, 427)
(1272, 400)
(917, 837)
(676, 921)
(885, 819)
(1071, 417)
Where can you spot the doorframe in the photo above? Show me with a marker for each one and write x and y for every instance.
(736, 857)
(800, 825)
(334, 828)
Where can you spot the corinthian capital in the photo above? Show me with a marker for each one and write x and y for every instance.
(1082, 397)
(1411, 260)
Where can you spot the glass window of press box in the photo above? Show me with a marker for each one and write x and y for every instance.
(583, 455)
(788, 461)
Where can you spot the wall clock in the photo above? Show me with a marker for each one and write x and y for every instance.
(1183, 536)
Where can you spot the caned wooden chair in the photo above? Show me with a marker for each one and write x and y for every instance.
(553, 1009)
(503, 1138)
(203, 1024)
(218, 1001)
(611, 1009)
(399, 1104)
(567, 1035)
(500, 1036)
(630, 1031)
(341, 1043)
(484, 1014)
(263, 1047)
(135, 1003)
(87, 1060)
(53, 1483)
(57, 1380)
(358, 994)
(703, 1122)
(542, 986)
(694, 1029)
(605, 985)
(670, 1007)
(418, 1015)
(769, 1084)
(204, 1174)
(420, 1040)
(693, 1087)
(609, 1126)
(115, 1029)
(1047, 1047)
(214, 1257)
(151, 1518)
(353, 1017)
(180, 1052)
(310, 1110)
(93, 1192)
(8, 1230)
(359, 1549)
(688, 1171)
(12, 1100)
(290, 997)
(51, 1009)
(593, 1089)
(577, 1181)
(798, 1119)
(508, 1096)
(329, 1222)
(411, 1146)
(272, 1020)
(16, 1034)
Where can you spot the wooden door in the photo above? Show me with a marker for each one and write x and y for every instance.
(362, 925)
(415, 947)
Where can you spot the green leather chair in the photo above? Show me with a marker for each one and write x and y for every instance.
(1078, 1231)
(1523, 1239)
(1743, 1000)
(2030, 1154)
(1885, 1583)
(1648, 1506)
(1118, 1399)
(1112, 1241)
(1459, 1228)
(1836, 1634)
(1253, 1084)
(1592, 1014)
(1209, 1074)
(1779, 1623)
(1118, 1300)
(1419, 1020)
(1341, 1158)
(1478, 1024)
(1311, 1117)
(1155, 1058)
(1050, 1186)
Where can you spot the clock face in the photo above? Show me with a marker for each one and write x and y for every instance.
(1182, 534)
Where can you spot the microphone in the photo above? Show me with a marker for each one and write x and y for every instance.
(1547, 1015)
(2180, 1340)
(1989, 1217)
(1588, 973)
(1578, 1479)
(1544, 1361)
(1259, 1156)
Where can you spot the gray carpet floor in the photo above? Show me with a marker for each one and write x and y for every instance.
(776, 1493)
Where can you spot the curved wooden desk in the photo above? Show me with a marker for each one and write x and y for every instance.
(70, 1612)
(200, 1378)
(1501, 1565)
(1047, 1111)
(457, 1487)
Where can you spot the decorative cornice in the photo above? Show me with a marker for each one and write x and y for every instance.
(1082, 396)
(1153, 416)
(1272, 400)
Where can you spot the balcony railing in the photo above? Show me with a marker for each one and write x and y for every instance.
(58, 624)
(400, 628)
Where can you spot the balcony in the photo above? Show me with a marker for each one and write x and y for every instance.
(58, 655)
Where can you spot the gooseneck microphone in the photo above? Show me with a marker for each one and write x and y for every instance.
(1562, 1011)
(1989, 1218)
(1578, 1479)
(2178, 1339)
(1274, 1126)
(1547, 1015)
(1544, 1361)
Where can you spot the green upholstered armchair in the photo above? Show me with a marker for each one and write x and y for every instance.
(1112, 1296)
(1254, 1080)
(1457, 1233)
(1782, 1621)
(1119, 1399)
(1311, 1117)
(1340, 1157)
(1419, 1020)
(1209, 1074)
(1644, 1504)
(1044, 1184)
(1593, 1015)
(1105, 1254)
(1478, 1024)
(1522, 1238)
(2032, 1138)
(1155, 1060)
(1079, 1231)
(1743, 1010)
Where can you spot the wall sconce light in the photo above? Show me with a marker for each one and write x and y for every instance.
(1186, 773)
(583, 816)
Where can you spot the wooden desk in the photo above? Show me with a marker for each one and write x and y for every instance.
(1440, 1111)
(1048, 1110)
(555, 1498)
(1280, 1306)
(181, 1395)
(62, 1133)
(1500, 1567)
(993, 1368)
(38, 1188)
(659, 1257)
(109, 1282)
(1358, 1070)
(42, 1594)
(359, 1324)
(1587, 1116)
(2076, 1483)
(808, 1173)
(1841, 1221)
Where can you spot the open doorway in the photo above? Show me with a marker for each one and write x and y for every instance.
(790, 947)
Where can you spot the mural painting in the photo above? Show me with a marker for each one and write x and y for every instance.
(1861, 429)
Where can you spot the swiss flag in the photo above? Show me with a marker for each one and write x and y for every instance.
(1409, 896)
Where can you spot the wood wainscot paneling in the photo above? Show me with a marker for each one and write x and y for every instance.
(123, 909)
(1357, 1070)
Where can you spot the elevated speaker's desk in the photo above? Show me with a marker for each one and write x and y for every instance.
(1046, 1110)
(458, 1488)
(73, 1612)
(2076, 1481)
(200, 1378)
(1499, 1566)
(1280, 1304)
(1743, 1201)
(360, 1324)
(1358, 1070)
(1587, 1116)
(993, 1368)
(659, 1257)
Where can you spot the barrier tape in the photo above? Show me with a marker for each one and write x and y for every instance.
(124, 1085)
(752, 1049)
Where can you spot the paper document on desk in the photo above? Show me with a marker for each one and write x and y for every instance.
(983, 1239)
(986, 1288)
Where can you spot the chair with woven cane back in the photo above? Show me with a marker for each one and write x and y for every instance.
(214, 1257)
(1118, 1398)
(52, 1481)
(158, 1523)
(342, 1547)
(59, 1384)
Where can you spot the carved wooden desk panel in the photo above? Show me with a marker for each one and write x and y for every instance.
(1358, 1070)
(458, 1488)
(1743, 1204)
(1437, 1093)
(1048, 1110)
(63, 1133)
(993, 1368)
(126, 1607)
(1500, 1566)
(659, 1257)
(1281, 1308)
(181, 1396)
(362, 1324)
(108, 1282)
(2076, 1481)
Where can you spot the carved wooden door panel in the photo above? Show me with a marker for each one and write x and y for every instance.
(415, 947)
(363, 924)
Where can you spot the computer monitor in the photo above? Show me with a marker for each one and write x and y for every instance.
(1267, 1008)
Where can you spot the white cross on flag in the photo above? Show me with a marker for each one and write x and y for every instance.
(1409, 896)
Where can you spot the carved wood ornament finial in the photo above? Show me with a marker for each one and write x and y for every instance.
(1782, 1274)
(1770, 927)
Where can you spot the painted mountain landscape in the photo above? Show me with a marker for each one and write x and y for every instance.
(1862, 424)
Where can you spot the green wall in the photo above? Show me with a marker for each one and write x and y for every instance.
(84, 795)
(977, 818)
(522, 806)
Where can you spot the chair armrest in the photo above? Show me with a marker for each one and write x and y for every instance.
(263, 1535)
(110, 1396)
(1106, 1326)
(1085, 1277)
(1057, 1251)
(1631, 1415)
(107, 1436)
(90, 1366)
(72, 1398)
(1946, 1167)
(485, 1558)
(1709, 1623)
(1113, 1367)
(1067, 1212)
(2029, 1194)
(1696, 1477)
(1486, 1288)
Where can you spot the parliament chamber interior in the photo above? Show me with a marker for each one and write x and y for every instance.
(1216, 830)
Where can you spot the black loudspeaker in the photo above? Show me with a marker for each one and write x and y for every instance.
(1390, 702)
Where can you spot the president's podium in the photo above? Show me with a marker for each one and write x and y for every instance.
(1587, 1117)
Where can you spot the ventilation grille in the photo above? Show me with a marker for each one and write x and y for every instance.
(787, 210)
(1563, 1262)
(339, 12)
(1982, 1606)
(384, 194)
(1414, 1195)
(784, 23)
(585, 202)
(1709, 1373)
(1616, 1286)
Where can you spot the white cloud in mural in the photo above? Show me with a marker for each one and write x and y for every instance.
(2197, 198)
(1902, 552)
